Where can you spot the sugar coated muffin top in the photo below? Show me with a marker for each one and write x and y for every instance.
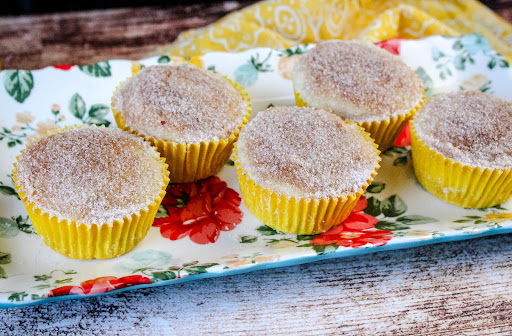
(183, 104)
(471, 127)
(306, 153)
(356, 80)
(92, 175)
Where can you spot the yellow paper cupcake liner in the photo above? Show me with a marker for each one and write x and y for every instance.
(384, 132)
(298, 216)
(195, 161)
(455, 183)
(92, 241)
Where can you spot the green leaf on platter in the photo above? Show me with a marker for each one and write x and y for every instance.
(459, 62)
(8, 228)
(163, 276)
(376, 187)
(197, 269)
(325, 249)
(473, 217)
(5, 258)
(34, 297)
(69, 272)
(164, 59)
(11, 143)
(395, 150)
(416, 219)
(427, 81)
(63, 281)
(462, 221)
(17, 296)
(230, 162)
(77, 106)
(99, 111)
(305, 237)
(436, 53)
(373, 208)
(391, 226)
(503, 63)
(480, 222)
(18, 84)
(400, 161)
(101, 69)
(42, 286)
(202, 268)
(248, 239)
(162, 212)
(43, 277)
(491, 64)
(3, 275)
(457, 45)
(499, 207)
(211, 68)
(8, 191)
(393, 206)
(98, 122)
(267, 231)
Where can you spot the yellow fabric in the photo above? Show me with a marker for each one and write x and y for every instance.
(283, 23)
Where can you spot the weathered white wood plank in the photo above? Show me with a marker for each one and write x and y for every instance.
(452, 288)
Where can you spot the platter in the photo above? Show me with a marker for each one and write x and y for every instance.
(395, 213)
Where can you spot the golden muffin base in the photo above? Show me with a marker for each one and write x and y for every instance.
(196, 161)
(299, 216)
(92, 241)
(455, 183)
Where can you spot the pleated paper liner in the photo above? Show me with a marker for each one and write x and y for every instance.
(455, 183)
(92, 241)
(298, 215)
(384, 132)
(195, 161)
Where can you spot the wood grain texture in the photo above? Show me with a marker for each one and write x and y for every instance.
(462, 288)
(445, 289)
(32, 42)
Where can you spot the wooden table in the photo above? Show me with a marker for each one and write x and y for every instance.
(452, 288)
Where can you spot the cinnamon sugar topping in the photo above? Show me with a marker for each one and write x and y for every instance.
(90, 175)
(183, 103)
(471, 127)
(306, 153)
(356, 80)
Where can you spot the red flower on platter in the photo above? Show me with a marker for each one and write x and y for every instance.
(355, 231)
(64, 67)
(404, 139)
(100, 285)
(391, 45)
(200, 210)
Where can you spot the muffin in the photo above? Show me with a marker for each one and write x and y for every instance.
(302, 170)
(91, 192)
(462, 148)
(191, 115)
(361, 82)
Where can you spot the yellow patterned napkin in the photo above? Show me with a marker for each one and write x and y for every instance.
(283, 23)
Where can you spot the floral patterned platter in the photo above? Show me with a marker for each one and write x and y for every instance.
(203, 229)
